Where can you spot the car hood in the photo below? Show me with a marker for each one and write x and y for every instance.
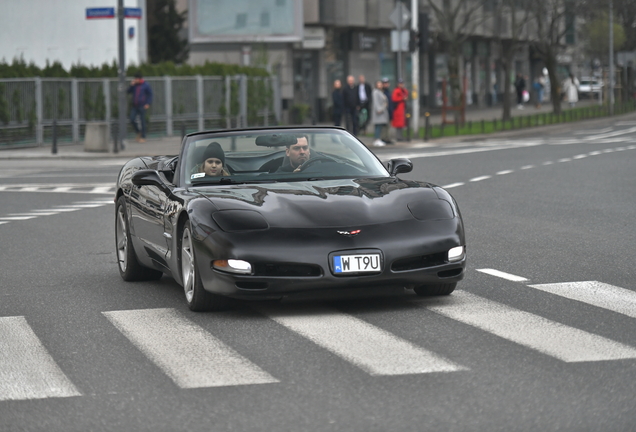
(325, 203)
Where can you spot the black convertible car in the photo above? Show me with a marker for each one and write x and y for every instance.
(277, 212)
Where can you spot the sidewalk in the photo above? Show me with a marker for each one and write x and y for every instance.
(172, 145)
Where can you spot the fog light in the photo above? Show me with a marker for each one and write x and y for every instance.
(233, 266)
(456, 254)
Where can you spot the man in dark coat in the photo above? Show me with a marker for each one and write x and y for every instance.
(351, 105)
(365, 96)
(338, 102)
(520, 86)
(141, 100)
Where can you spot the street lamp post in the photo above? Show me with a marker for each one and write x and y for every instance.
(611, 59)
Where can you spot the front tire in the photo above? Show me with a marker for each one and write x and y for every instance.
(435, 290)
(128, 265)
(197, 297)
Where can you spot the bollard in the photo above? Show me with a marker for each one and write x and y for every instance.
(54, 146)
(427, 126)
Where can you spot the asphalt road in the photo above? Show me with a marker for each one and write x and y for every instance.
(539, 336)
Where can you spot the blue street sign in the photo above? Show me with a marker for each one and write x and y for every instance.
(98, 13)
(132, 13)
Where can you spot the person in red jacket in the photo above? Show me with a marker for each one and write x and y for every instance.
(399, 98)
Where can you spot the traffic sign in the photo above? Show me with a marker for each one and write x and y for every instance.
(400, 15)
(99, 13)
(132, 13)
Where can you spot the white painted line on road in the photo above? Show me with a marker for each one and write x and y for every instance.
(476, 179)
(632, 147)
(527, 167)
(625, 123)
(61, 189)
(594, 153)
(566, 343)
(503, 275)
(608, 151)
(101, 189)
(59, 210)
(372, 349)
(3, 188)
(620, 300)
(187, 353)
(621, 148)
(81, 206)
(565, 160)
(610, 134)
(16, 218)
(3, 222)
(580, 156)
(548, 163)
(592, 131)
(505, 172)
(453, 185)
(29, 189)
(27, 370)
(32, 214)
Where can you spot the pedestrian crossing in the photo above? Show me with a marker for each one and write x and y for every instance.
(193, 357)
(88, 188)
(75, 206)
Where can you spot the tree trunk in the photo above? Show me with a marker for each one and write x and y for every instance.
(453, 73)
(555, 85)
(506, 61)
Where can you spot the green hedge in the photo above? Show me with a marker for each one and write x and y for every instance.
(20, 69)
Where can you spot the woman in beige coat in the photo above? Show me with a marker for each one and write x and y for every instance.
(379, 113)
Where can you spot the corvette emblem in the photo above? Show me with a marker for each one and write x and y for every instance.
(349, 233)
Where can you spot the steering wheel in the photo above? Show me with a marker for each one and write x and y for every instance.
(312, 161)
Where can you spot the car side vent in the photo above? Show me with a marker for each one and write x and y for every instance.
(418, 262)
(289, 270)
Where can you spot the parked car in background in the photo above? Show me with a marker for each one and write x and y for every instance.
(590, 87)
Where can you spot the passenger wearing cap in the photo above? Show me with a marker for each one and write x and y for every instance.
(213, 164)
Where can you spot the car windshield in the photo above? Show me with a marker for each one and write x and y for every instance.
(264, 156)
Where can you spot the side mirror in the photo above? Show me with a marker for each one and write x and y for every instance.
(148, 177)
(399, 165)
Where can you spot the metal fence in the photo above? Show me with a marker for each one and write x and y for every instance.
(28, 106)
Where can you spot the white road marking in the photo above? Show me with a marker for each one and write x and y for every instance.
(608, 151)
(187, 353)
(16, 218)
(453, 185)
(625, 123)
(580, 156)
(62, 189)
(595, 293)
(594, 153)
(59, 210)
(3, 222)
(101, 189)
(372, 349)
(476, 179)
(565, 160)
(3, 188)
(620, 149)
(29, 189)
(27, 370)
(632, 147)
(527, 167)
(548, 163)
(505, 172)
(80, 206)
(503, 275)
(597, 131)
(32, 214)
(563, 342)
(610, 134)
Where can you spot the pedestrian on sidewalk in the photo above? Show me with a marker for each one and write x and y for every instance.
(141, 100)
(386, 132)
(399, 98)
(380, 113)
(539, 86)
(364, 95)
(571, 89)
(520, 86)
(338, 102)
(351, 105)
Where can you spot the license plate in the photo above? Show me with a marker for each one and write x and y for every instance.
(368, 263)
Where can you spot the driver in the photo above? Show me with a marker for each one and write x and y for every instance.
(213, 164)
(297, 154)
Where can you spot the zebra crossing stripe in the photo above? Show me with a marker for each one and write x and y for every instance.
(549, 337)
(372, 349)
(27, 370)
(185, 352)
(620, 300)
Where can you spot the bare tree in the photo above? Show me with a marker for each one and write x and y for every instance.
(549, 17)
(456, 21)
(509, 41)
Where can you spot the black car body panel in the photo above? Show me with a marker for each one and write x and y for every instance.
(289, 231)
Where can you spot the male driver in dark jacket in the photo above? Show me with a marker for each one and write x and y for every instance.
(351, 105)
(141, 100)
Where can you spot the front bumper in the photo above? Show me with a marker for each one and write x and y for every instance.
(314, 248)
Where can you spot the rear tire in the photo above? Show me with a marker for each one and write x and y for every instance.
(197, 298)
(435, 290)
(127, 263)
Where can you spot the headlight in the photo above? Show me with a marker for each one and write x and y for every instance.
(233, 266)
(456, 254)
